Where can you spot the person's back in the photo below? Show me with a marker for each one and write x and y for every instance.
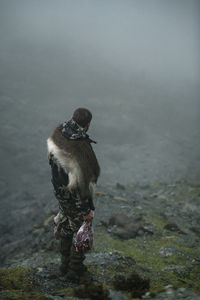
(75, 170)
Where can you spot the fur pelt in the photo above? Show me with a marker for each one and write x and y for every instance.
(77, 159)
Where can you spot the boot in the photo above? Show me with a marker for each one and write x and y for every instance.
(65, 248)
(76, 268)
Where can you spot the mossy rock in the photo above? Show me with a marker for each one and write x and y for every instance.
(20, 295)
(133, 283)
(67, 292)
(179, 269)
(16, 279)
(17, 284)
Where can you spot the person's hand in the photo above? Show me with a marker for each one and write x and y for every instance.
(89, 217)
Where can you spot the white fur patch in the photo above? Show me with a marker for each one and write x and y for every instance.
(66, 160)
(92, 188)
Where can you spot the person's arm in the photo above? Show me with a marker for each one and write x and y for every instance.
(89, 217)
(91, 203)
(91, 208)
(85, 207)
(59, 177)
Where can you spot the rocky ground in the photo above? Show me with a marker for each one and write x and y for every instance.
(146, 245)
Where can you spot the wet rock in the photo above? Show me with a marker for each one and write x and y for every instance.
(116, 295)
(173, 227)
(118, 219)
(178, 270)
(126, 232)
(158, 194)
(134, 283)
(169, 251)
(109, 259)
(173, 294)
(120, 186)
(196, 230)
(126, 227)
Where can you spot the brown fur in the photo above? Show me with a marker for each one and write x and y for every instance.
(81, 151)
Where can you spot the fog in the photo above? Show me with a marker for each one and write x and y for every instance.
(134, 64)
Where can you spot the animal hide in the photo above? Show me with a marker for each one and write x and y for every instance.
(78, 160)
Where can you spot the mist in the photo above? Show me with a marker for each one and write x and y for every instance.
(134, 64)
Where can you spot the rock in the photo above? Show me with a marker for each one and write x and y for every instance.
(133, 283)
(91, 290)
(118, 219)
(173, 294)
(126, 227)
(168, 251)
(126, 232)
(167, 257)
(173, 227)
(120, 186)
(116, 295)
(196, 230)
(120, 198)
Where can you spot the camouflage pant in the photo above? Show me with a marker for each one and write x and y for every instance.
(70, 216)
(67, 223)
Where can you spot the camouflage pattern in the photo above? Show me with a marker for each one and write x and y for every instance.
(65, 251)
(70, 201)
(70, 213)
(69, 218)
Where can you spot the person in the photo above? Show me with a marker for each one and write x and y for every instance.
(75, 171)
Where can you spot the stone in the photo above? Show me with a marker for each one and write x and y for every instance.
(173, 227)
(126, 227)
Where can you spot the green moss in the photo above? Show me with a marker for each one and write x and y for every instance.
(194, 276)
(191, 191)
(67, 292)
(16, 284)
(94, 270)
(156, 289)
(179, 189)
(163, 270)
(15, 278)
(158, 222)
(20, 295)
(103, 273)
(111, 271)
